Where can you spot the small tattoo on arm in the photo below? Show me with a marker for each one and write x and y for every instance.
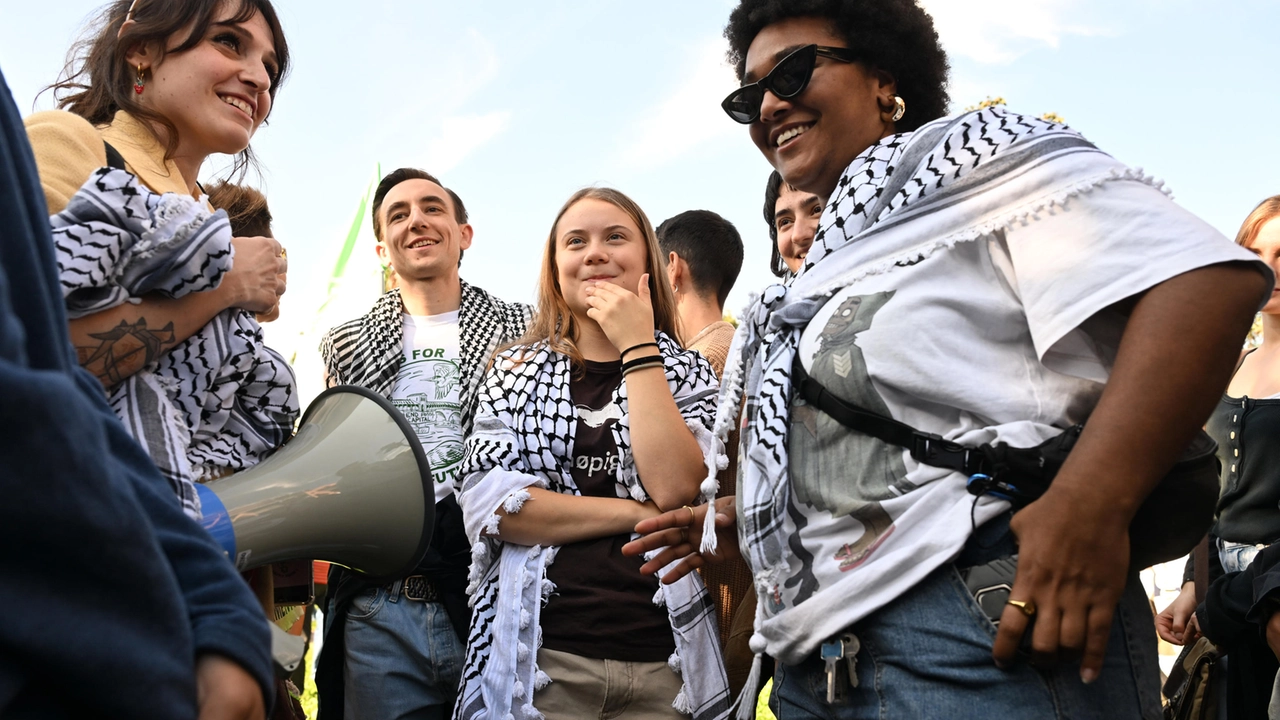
(124, 350)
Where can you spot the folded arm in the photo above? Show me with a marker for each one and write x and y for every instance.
(551, 518)
(118, 342)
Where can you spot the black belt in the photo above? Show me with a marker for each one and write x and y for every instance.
(416, 587)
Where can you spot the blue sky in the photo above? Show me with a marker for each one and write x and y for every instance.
(515, 105)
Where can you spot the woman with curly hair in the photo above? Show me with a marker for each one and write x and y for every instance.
(594, 421)
(986, 278)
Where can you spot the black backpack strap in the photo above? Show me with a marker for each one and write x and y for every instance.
(114, 158)
(926, 448)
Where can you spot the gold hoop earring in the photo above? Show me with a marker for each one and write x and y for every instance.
(899, 108)
(141, 83)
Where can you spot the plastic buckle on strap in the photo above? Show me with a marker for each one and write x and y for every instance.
(934, 450)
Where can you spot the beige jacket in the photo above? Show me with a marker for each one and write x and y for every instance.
(68, 148)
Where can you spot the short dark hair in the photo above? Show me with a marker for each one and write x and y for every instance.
(709, 244)
(893, 36)
(245, 207)
(773, 191)
(394, 178)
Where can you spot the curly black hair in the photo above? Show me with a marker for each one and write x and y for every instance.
(895, 36)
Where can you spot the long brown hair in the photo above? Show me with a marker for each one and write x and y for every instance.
(96, 82)
(1267, 210)
(554, 323)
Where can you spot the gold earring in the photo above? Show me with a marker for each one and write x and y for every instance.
(141, 83)
(899, 108)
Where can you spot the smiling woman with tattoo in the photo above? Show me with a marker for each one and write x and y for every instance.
(161, 86)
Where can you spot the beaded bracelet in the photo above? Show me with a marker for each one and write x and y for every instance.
(637, 347)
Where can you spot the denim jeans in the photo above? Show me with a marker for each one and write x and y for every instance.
(403, 658)
(1235, 557)
(928, 655)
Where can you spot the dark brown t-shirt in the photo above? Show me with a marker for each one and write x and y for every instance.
(602, 606)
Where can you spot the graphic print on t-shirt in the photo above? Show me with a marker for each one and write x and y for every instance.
(427, 392)
(594, 464)
(833, 469)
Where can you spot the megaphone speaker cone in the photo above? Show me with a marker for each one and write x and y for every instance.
(352, 487)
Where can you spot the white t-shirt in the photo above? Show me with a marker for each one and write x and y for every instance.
(995, 339)
(428, 390)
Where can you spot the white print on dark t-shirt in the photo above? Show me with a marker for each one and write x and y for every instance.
(428, 390)
(593, 464)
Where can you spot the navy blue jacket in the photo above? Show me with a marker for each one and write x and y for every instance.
(108, 593)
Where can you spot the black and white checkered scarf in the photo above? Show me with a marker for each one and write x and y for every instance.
(368, 350)
(906, 197)
(219, 401)
(523, 436)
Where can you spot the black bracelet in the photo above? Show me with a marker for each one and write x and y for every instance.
(630, 370)
(637, 347)
(642, 362)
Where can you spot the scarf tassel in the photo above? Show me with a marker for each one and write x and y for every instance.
(681, 703)
(746, 702)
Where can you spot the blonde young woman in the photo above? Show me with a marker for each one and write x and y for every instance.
(591, 423)
(1239, 614)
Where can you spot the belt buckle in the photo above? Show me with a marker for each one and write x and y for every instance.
(418, 588)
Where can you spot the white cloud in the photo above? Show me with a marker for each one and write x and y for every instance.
(690, 116)
(460, 135)
(999, 31)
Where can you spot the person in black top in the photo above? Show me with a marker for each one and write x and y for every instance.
(1239, 614)
(586, 426)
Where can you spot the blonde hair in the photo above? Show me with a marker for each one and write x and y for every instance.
(1266, 211)
(554, 323)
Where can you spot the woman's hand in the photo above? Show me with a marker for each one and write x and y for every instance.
(679, 532)
(1173, 623)
(1073, 557)
(257, 276)
(625, 317)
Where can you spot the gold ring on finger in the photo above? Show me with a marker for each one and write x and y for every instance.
(284, 253)
(1028, 607)
(692, 517)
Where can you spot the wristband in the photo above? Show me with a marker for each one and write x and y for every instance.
(637, 362)
(641, 363)
(623, 354)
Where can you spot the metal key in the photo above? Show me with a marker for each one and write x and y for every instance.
(832, 653)
(850, 647)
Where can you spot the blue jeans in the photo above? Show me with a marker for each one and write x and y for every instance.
(1235, 557)
(928, 655)
(403, 658)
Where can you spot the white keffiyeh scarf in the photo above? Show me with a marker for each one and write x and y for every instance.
(523, 436)
(218, 401)
(904, 198)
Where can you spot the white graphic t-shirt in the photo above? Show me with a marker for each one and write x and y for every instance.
(1003, 338)
(427, 393)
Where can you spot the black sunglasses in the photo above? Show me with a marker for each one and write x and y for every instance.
(787, 79)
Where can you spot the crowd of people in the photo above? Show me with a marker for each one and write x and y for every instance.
(910, 483)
